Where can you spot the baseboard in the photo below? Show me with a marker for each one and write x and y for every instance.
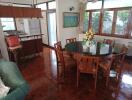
(46, 45)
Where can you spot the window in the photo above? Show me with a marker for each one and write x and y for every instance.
(121, 22)
(86, 20)
(8, 24)
(52, 5)
(95, 21)
(107, 22)
(94, 5)
(117, 3)
(42, 6)
(113, 19)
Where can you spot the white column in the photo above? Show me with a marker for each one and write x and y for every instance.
(3, 46)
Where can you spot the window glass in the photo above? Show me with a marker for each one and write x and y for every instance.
(107, 22)
(86, 20)
(52, 5)
(8, 24)
(121, 23)
(94, 5)
(117, 3)
(42, 6)
(95, 21)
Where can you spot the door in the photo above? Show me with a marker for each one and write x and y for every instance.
(52, 28)
(44, 28)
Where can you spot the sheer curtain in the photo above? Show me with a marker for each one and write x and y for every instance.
(82, 7)
(129, 24)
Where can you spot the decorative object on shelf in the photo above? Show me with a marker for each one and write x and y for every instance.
(71, 8)
(70, 19)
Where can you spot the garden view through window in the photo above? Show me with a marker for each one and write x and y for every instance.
(8, 24)
(109, 20)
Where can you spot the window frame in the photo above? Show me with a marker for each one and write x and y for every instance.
(100, 27)
(14, 21)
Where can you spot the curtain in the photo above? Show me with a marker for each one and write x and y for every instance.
(82, 7)
(129, 24)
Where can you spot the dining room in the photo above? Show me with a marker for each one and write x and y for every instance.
(73, 50)
(90, 59)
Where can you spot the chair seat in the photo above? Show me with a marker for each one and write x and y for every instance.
(15, 48)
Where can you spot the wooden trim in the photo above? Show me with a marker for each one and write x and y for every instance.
(120, 8)
(114, 22)
(116, 36)
(90, 21)
(100, 22)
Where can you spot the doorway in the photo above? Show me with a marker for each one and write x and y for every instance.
(52, 28)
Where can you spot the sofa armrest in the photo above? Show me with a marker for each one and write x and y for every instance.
(18, 94)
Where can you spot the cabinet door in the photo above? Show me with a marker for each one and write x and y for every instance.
(37, 12)
(27, 12)
(17, 12)
(6, 11)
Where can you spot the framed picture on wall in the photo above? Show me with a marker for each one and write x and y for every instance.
(70, 19)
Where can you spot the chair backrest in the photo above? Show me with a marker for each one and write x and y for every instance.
(109, 41)
(119, 58)
(70, 40)
(124, 49)
(59, 53)
(12, 41)
(91, 62)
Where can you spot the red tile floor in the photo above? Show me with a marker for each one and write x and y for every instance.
(41, 74)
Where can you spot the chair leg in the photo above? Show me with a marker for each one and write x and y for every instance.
(95, 81)
(58, 72)
(78, 76)
(107, 79)
(64, 71)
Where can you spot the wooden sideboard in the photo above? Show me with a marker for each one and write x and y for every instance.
(31, 46)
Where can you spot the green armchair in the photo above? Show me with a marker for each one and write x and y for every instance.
(12, 78)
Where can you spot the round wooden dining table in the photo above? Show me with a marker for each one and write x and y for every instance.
(96, 49)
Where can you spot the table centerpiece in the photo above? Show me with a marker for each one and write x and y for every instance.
(88, 41)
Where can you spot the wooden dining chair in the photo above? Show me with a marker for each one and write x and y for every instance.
(105, 65)
(87, 64)
(118, 64)
(62, 62)
(124, 49)
(13, 45)
(109, 41)
(70, 40)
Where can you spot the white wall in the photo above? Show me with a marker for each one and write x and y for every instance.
(3, 46)
(64, 33)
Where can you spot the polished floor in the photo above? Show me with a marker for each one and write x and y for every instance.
(41, 74)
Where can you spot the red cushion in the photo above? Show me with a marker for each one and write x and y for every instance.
(13, 41)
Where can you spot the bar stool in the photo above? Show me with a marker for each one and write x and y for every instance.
(13, 44)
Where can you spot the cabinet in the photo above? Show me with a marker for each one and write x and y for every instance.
(6, 11)
(18, 12)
